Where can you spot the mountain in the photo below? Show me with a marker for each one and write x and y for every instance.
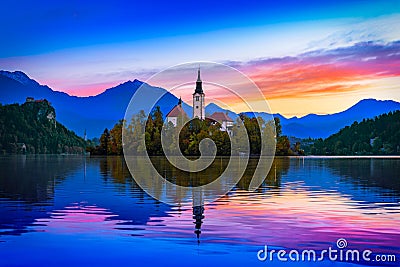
(19, 76)
(95, 113)
(317, 126)
(322, 126)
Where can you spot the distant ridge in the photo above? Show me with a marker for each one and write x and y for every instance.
(322, 126)
(95, 113)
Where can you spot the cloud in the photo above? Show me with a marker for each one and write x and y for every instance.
(381, 29)
(325, 72)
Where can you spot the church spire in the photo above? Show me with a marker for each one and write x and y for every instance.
(198, 99)
(198, 75)
(199, 84)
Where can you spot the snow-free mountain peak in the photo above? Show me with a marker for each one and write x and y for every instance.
(19, 76)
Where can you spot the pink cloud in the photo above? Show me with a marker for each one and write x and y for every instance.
(325, 72)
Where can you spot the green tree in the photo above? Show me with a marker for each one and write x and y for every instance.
(115, 138)
(105, 143)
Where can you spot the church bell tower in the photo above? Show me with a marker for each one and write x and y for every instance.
(198, 99)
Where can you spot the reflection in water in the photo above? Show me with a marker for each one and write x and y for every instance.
(368, 172)
(198, 217)
(198, 211)
(78, 218)
(86, 206)
(184, 178)
(33, 178)
(27, 184)
(273, 180)
(116, 167)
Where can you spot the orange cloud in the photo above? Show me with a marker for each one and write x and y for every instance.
(301, 79)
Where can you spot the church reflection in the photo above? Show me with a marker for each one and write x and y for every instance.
(198, 212)
(198, 216)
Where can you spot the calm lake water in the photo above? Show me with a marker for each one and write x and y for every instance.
(77, 211)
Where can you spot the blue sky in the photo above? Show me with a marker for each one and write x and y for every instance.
(53, 25)
(85, 47)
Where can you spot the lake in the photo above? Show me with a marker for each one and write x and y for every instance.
(81, 211)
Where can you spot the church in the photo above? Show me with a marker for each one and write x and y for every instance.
(199, 110)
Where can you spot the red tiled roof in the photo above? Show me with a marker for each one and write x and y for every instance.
(220, 117)
(176, 112)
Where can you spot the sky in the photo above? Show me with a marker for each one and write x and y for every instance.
(305, 56)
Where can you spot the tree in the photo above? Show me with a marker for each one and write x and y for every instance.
(115, 139)
(278, 127)
(105, 142)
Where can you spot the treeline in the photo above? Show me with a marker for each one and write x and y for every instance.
(31, 128)
(190, 136)
(378, 136)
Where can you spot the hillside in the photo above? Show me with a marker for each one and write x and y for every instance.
(378, 136)
(32, 128)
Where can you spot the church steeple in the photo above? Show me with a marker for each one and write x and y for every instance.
(198, 75)
(199, 84)
(199, 99)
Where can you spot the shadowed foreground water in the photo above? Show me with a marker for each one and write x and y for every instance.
(76, 211)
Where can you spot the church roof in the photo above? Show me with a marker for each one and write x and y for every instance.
(220, 117)
(176, 111)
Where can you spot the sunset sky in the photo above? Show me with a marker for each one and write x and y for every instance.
(305, 56)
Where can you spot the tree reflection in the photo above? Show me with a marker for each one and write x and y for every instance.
(368, 172)
(33, 178)
(114, 167)
(280, 166)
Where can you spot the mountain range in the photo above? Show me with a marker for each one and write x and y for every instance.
(95, 113)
